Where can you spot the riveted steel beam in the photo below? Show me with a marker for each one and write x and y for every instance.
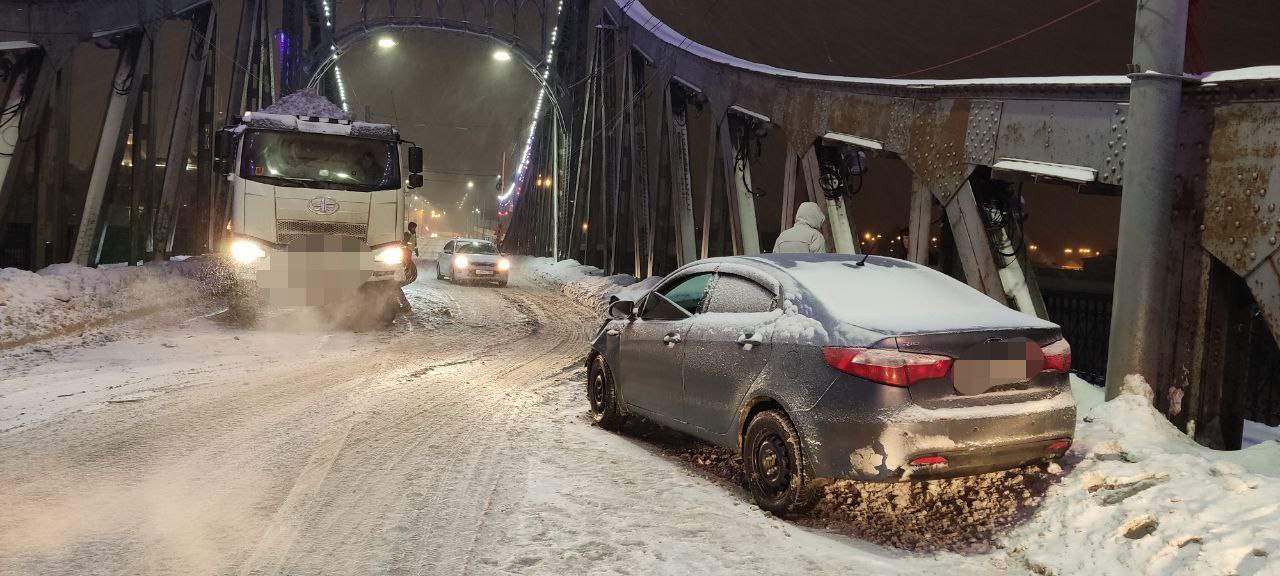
(193, 73)
(111, 142)
(677, 122)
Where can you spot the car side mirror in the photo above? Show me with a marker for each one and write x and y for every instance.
(415, 160)
(622, 310)
(415, 180)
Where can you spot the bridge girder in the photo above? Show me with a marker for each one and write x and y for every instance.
(1066, 129)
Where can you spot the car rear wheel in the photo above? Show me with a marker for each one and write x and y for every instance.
(777, 473)
(439, 274)
(602, 392)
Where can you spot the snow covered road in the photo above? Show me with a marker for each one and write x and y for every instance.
(454, 443)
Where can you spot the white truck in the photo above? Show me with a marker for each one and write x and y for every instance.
(317, 212)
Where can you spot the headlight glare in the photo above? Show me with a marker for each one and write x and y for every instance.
(390, 255)
(460, 261)
(504, 265)
(246, 251)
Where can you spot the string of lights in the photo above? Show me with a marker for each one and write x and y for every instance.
(506, 199)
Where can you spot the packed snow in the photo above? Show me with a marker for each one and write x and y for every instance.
(63, 297)
(1134, 495)
(307, 102)
(586, 285)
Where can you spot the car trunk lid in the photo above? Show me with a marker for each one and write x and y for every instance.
(997, 366)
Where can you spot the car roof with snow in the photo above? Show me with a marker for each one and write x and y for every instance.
(882, 294)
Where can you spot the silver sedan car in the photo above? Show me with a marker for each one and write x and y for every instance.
(820, 366)
(472, 260)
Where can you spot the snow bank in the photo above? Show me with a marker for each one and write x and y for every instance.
(307, 102)
(1145, 499)
(66, 296)
(586, 285)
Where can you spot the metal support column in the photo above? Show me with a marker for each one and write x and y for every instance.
(708, 187)
(641, 202)
(27, 97)
(176, 161)
(837, 230)
(971, 243)
(1019, 285)
(106, 162)
(681, 180)
(738, 186)
(920, 218)
(50, 224)
(789, 188)
(1142, 253)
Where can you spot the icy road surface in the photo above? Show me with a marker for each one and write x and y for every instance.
(454, 443)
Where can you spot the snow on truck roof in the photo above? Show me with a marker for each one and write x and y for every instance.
(319, 125)
(308, 111)
(885, 294)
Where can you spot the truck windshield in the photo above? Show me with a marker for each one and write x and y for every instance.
(329, 161)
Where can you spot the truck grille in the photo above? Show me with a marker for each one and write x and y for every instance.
(287, 230)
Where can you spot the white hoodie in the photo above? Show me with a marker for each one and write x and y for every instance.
(806, 235)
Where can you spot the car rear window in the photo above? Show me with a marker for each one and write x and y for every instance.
(896, 296)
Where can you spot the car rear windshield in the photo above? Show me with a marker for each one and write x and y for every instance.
(895, 296)
(476, 248)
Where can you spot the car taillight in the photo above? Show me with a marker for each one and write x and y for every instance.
(1057, 357)
(886, 366)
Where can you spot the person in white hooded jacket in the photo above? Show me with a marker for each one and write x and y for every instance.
(806, 235)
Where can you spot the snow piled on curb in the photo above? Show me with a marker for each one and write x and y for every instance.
(35, 305)
(1146, 499)
(586, 285)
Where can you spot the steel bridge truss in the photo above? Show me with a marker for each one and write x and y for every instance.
(637, 199)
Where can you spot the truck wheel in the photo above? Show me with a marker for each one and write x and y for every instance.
(774, 461)
(602, 392)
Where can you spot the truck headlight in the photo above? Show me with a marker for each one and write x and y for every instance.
(246, 251)
(390, 255)
(504, 265)
(460, 261)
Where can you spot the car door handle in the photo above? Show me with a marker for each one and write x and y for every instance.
(671, 339)
(749, 341)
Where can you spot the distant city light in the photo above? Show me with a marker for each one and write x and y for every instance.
(501, 55)
(386, 42)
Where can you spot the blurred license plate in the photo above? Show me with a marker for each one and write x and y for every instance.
(996, 364)
(484, 272)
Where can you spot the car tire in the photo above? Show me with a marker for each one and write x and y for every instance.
(602, 394)
(439, 274)
(774, 461)
(502, 283)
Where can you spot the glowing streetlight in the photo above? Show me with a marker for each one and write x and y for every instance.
(501, 55)
(471, 184)
(386, 42)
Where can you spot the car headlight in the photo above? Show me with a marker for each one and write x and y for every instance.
(246, 251)
(504, 265)
(390, 255)
(460, 261)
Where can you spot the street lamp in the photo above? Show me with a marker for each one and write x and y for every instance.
(501, 55)
(471, 184)
(386, 42)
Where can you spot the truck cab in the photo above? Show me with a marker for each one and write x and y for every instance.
(317, 207)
